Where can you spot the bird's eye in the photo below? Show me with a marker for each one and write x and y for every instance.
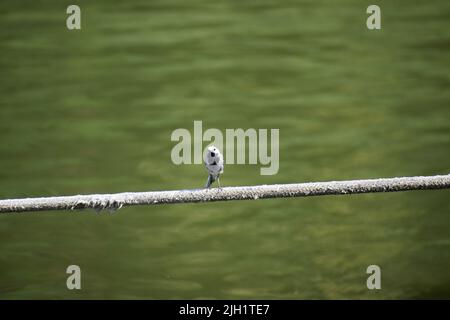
(213, 154)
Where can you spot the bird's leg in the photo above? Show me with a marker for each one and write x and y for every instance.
(209, 181)
(218, 182)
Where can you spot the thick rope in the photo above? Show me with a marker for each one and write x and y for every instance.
(116, 201)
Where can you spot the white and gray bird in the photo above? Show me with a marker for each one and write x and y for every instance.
(214, 165)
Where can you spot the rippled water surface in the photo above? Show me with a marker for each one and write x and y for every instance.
(92, 111)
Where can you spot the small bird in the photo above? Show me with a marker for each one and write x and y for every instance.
(214, 165)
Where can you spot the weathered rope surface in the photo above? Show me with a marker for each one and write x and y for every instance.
(116, 201)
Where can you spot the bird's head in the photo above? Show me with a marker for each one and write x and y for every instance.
(212, 154)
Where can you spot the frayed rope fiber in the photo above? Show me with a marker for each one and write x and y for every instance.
(113, 202)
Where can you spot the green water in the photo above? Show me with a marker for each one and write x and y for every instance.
(92, 111)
